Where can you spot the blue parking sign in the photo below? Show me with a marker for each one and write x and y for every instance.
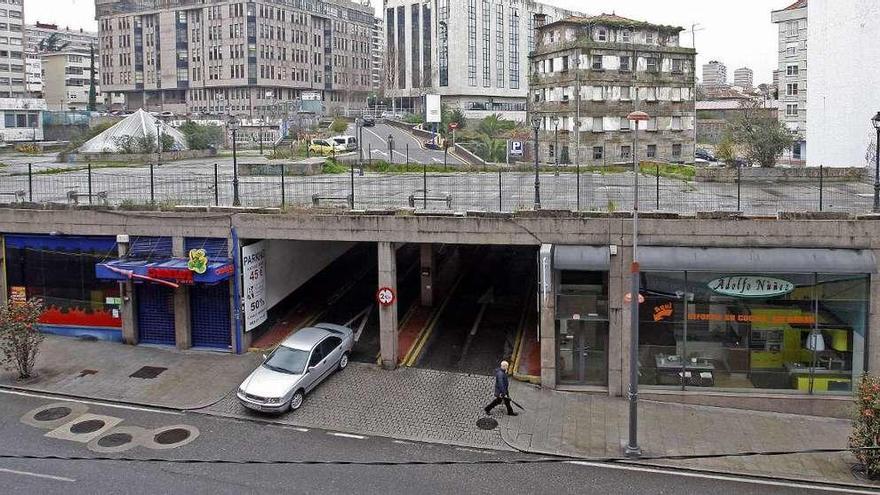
(516, 148)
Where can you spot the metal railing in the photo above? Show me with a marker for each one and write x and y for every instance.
(492, 190)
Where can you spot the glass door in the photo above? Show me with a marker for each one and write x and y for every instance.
(582, 357)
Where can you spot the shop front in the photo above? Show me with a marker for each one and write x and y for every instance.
(765, 321)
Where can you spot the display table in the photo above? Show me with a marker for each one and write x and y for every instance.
(824, 379)
(672, 370)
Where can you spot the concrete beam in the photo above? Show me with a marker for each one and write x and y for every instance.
(127, 304)
(547, 287)
(388, 338)
(182, 311)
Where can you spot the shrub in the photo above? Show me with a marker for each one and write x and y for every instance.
(338, 125)
(202, 137)
(866, 426)
(20, 338)
(30, 149)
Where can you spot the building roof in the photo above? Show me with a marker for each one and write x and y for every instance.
(614, 20)
(732, 104)
(799, 4)
(137, 125)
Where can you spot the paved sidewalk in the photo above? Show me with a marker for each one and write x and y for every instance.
(595, 426)
(101, 370)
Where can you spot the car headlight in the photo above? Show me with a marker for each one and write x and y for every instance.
(273, 400)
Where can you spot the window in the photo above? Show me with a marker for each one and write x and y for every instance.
(565, 64)
(625, 93)
(597, 124)
(624, 124)
(791, 49)
(487, 43)
(625, 36)
(791, 110)
(625, 63)
(317, 356)
(652, 151)
(650, 38)
(652, 64)
(598, 152)
(602, 34)
(597, 62)
(792, 70)
(514, 48)
(677, 66)
(330, 344)
(625, 152)
(792, 28)
(676, 151)
(791, 89)
(676, 123)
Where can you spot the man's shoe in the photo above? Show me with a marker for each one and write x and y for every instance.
(513, 413)
(487, 411)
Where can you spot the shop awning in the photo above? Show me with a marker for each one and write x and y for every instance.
(170, 270)
(582, 258)
(757, 260)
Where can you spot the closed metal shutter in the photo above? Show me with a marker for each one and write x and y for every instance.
(155, 314)
(209, 309)
(150, 247)
(214, 248)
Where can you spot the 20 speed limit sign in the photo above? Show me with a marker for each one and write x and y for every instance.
(385, 296)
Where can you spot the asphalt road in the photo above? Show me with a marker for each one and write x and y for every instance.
(237, 440)
(375, 144)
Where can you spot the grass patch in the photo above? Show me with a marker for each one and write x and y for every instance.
(333, 167)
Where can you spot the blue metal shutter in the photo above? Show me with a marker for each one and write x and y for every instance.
(214, 248)
(155, 314)
(209, 310)
(150, 247)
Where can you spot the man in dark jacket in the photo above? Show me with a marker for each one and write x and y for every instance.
(501, 393)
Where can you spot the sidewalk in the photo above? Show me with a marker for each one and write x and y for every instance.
(101, 370)
(596, 426)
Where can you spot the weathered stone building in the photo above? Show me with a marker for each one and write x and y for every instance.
(589, 73)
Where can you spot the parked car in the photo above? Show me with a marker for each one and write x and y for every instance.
(322, 147)
(345, 143)
(368, 121)
(166, 114)
(704, 155)
(296, 367)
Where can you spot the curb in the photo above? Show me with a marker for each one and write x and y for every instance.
(110, 401)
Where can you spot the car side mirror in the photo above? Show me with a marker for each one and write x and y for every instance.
(310, 368)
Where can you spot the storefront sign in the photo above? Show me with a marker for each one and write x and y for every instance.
(663, 311)
(17, 295)
(113, 301)
(253, 270)
(750, 286)
(198, 261)
(760, 318)
(179, 275)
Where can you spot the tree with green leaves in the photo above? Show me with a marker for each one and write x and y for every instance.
(20, 338)
(338, 125)
(762, 138)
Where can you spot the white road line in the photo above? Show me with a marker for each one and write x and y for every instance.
(302, 430)
(346, 435)
(94, 403)
(36, 475)
(718, 477)
(465, 449)
(403, 442)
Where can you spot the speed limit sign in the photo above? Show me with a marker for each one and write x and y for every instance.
(385, 296)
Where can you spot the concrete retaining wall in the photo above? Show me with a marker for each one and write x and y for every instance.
(778, 174)
(314, 167)
(167, 156)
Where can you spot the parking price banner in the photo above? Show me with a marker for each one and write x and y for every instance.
(253, 270)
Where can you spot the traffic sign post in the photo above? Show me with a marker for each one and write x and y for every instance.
(385, 296)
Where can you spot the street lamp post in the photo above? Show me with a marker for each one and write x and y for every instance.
(233, 127)
(556, 144)
(358, 126)
(158, 143)
(632, 446)
(876, 122)
(536, 124)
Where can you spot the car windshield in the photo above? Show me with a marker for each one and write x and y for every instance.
(287, 360)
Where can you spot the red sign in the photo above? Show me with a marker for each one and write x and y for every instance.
(453, 125)
(224, 270)
(179, 275)
(385, 296)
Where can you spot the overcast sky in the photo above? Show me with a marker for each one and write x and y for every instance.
(737, 33)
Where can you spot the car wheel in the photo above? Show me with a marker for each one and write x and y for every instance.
(343, 361)
(296, 401)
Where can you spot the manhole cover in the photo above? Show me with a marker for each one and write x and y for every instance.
(114, 440)
(148, 372)
(169, 437)
(487, 424)
(52, 414)
(88, 426)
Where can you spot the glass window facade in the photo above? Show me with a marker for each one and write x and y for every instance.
(582, 328)
(800, 333)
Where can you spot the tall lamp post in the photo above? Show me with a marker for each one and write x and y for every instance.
(876, 122)
(536, 125)
(234, 125)
(556, 143)
(632, 446)
(158, 142)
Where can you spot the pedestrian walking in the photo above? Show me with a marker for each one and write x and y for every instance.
(501, 392)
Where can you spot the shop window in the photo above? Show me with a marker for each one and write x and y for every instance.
(582, 328)
(798, 333)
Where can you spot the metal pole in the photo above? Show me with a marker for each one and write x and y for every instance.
(738, 186)
(537, 177)
(216, 185)
(632, 447)
(90, 183)
(877, 175)
(578, 184)
(658, 187)
(236, 201)
(30, 183)
(370, 156)
(500, 193)
(822, 188)
(425, 185)
(556, 147)
(445, 153)
(283, 192)
(158, 144)
(351, 172)
(407, 154)
(152, 185)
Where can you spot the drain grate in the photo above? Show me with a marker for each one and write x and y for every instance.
(53, 413)
(487, 424)
(148, 372)
(88, 426)
(169, 437)
(114, 440)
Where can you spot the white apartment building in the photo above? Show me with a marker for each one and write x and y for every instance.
(792, 73)
(246, 58)
(744, 78)
(474, 53)
(377, 54)
(66, 83)
(842, 81)
(714, 74)
(33, 67)
(43, 38)
(12, 59)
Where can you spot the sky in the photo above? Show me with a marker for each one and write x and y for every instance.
(739, 34)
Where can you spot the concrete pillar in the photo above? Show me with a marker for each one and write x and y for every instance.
(873, 329)
(128, 300)
(428, 274)
(547, 287)
(182, 317)
(618, 277)
(388, 314)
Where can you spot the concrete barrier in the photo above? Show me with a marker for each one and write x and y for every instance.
(309, 166)
(167, 156)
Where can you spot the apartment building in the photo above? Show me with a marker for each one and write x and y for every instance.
(792, 85)
(230, 57)
(714, 74)
(474, 53)
(589, 73)
(744, 78)
(377, 54)
(12, 59)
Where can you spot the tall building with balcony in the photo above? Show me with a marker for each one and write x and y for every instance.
(589, 73)
(12, 47)
(231, 57)
(377, 56)
(473, 53)
(792, 85)
(714, 74)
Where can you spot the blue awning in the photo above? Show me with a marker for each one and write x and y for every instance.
(173, 270)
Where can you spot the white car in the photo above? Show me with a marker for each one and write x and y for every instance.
(345, 143)
(296, 367)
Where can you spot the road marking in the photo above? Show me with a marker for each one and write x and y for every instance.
(465, 449)
(347, 435)
(36, 475)
(403, 442)
(719, 477)
(94, 403)
(416, 348)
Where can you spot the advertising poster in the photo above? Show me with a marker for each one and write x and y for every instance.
(253, 270)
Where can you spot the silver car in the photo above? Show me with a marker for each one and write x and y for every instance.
(295, 367)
